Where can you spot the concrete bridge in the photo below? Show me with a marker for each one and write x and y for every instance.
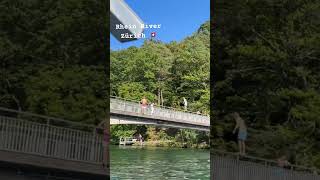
(230, 166)
(39, 147)
(129, 112)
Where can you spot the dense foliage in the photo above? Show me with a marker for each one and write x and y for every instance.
(267, 62)
(161, 137)
(53, 62)
(164, 74)
(52, 58)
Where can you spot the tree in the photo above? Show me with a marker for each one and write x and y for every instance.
(267, 69)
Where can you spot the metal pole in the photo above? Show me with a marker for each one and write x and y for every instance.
(47, 137)
(92, 145)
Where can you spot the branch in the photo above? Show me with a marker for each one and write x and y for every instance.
(266, 40)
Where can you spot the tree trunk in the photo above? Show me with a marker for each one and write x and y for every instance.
(159, 96)
(16, 100)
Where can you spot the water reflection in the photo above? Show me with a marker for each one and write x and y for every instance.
(133, 162)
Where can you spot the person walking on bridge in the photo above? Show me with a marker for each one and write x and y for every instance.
(144, 104)
(242, 133)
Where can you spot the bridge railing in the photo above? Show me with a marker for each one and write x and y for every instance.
(49, 137)
(158, 111)
(159, 106)
(227, 166)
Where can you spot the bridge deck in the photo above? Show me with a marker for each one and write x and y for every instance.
(54, 164)
(157, 115)
(51, 144)
(228, 166)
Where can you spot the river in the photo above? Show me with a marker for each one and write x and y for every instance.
(155, 163)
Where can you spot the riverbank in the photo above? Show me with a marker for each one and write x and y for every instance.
(170, 143)
(161, 137)
(174, 144)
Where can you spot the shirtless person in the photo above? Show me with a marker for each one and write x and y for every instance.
(144, 105)
(242, 134)
(283, 162)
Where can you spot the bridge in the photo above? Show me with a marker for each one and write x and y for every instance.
(230, 166)
(121, 13)
(36, 147)
(124, 111)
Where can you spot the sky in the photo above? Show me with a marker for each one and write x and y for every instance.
(178, 19)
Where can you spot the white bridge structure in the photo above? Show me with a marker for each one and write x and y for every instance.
(130, 112)
(122, 14)
(33, 143)
(49, 148)
(231, 166)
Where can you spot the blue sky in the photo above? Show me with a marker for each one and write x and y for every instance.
(178, 19)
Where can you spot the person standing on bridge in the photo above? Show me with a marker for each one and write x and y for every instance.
(242, 133)
(144, 104)
(152, 108)
(185, 104)
(315, 171)
(282, 163)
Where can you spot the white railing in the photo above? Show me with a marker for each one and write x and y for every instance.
(48, 138)
(228, 166)
(161, 112)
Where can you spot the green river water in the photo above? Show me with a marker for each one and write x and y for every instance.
(154, 163)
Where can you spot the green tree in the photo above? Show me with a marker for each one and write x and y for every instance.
(266, 67)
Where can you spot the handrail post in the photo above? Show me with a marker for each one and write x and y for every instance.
(238, 166)
(92, 149)
(47, 137)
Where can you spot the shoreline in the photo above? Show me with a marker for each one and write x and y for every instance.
(168, 144)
